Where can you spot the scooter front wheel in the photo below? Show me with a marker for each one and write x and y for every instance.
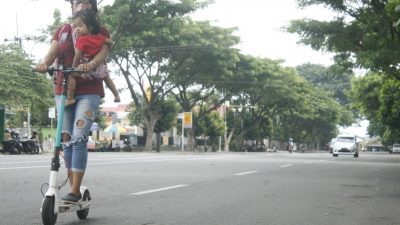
(48, 215)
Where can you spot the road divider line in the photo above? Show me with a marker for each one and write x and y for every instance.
(287, 165)
(90, 163)
(24, 167)
(245, 173)
(159, 189)
(23, 162)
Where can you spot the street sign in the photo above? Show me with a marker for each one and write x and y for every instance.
(180, 116)
(52, 113)
(187, 119)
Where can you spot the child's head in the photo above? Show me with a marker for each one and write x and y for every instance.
(86, 22)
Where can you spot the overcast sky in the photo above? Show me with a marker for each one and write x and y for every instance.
(260, 23)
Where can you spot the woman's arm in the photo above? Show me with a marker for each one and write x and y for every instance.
(108, 42)
(96, 61)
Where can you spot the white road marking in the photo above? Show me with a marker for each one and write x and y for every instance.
(153, 160)
(159, 189)
(133, 160)
(27, 167)
(287, 165)
(19, 162)
(322, 160)
(245, 173)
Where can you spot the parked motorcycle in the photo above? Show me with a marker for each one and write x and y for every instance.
(29, 144)
(12, 145)
(17, 145)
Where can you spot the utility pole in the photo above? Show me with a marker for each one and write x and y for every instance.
(17, 38)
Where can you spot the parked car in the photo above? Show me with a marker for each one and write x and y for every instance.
(395, 148)
(345, 145)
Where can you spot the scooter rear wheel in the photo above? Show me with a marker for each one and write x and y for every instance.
(48, 215)
(82, 214)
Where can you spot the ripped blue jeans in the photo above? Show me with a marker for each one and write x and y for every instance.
(84, 110)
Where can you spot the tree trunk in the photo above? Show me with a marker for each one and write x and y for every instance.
(149, 137)
(158, 142)
(190, 135)
(228, 140)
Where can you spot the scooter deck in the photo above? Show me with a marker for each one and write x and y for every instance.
(65, 206)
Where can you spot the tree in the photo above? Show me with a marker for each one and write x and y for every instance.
(145, 33)
(363, 34)
(282, 104)
(21, 88)
(168, 113)
(210, 127)
(378, 100)
(335, 83)
(360, 35)
(203, 72)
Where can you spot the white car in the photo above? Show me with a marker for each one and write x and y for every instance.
(345, 145)
(396, 148)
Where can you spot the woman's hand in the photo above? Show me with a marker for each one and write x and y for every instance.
(41, 68)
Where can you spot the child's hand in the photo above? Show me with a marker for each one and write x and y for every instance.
(87, 67)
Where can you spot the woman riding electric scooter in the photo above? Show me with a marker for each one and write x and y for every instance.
(77, 118)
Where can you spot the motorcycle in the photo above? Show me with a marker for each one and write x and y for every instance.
(290, 145)
(33, 143)
(17, 145)
(29, 146)
(12, 144)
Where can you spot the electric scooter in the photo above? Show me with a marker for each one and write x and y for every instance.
(51, 204)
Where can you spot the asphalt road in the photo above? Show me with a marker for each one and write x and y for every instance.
(214, 189)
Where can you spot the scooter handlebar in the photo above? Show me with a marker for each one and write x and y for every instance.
(52, 69)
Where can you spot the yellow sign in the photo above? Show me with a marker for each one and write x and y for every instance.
(148, 93)
(187, 119)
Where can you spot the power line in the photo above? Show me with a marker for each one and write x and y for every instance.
(172, 47)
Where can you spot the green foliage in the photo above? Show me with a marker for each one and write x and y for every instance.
(156, 46)
(378, 99)
(168, 113)
(160, 50)
(361, 33)
(211, 125)
(393, 10)
(282, 104)
(135, 116)
(389, 110)
(365, 94)
(21, 88)
(336, 83)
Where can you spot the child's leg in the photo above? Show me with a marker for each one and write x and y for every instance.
(111, 86)
(71, 90)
